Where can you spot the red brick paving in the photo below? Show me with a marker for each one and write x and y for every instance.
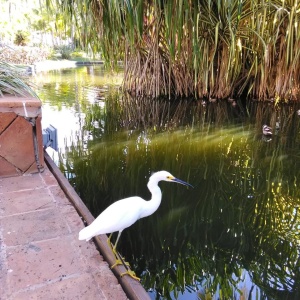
(40, 255)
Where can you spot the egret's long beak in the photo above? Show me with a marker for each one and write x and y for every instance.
(182, 182)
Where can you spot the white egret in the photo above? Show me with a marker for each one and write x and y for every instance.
(123, 213)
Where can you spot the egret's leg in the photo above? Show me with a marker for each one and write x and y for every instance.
(115, 246)
(109, 242)
(118, 255)
(119, 259)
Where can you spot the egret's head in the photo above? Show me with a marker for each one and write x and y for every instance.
(166, 176)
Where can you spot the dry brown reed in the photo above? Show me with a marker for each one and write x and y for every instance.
(213, 49)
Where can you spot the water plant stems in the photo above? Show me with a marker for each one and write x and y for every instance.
(213, 49)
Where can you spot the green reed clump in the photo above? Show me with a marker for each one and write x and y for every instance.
(212, 48)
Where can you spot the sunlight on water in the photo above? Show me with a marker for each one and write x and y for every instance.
(66, 94)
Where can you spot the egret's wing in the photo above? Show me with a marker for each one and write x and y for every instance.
(116, 217)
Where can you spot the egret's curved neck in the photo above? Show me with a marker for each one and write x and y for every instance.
(152, 205)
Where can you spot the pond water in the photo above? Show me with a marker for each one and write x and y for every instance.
(236, 234)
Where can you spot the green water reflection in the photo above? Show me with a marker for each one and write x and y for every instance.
(236, 234)
(242, 213)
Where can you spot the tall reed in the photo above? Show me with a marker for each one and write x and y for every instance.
(212, 48)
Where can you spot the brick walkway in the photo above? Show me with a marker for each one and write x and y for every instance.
(40, 255)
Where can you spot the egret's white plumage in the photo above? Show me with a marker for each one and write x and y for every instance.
(125, 212)
(116, 217)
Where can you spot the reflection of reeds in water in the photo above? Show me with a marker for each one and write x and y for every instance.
(144, 113)
(161, 114)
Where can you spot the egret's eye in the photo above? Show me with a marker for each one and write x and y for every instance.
(169, 177)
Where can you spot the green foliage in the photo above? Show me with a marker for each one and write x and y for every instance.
(64, 51)
(209, 48)
(78, 54)
(21, 38)
(12, 81)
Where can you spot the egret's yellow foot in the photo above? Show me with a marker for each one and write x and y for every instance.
(118, 262)
(122, 259)
(131, 274)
